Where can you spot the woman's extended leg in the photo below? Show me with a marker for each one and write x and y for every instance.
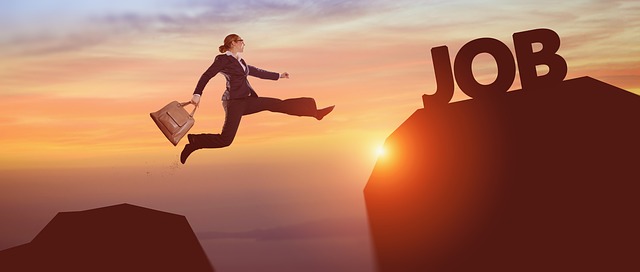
(304, 106)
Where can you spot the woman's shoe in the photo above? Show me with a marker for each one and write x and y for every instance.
(323, 112)
(188, 149)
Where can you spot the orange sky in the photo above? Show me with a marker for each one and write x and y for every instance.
(84, 92)
(78, 83)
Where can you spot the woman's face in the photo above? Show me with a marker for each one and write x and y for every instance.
(238, 45)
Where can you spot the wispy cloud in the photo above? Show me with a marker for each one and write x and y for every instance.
(387, 22)
(319, 229)
(77, 28)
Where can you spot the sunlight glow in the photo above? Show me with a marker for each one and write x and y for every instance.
(380, 151)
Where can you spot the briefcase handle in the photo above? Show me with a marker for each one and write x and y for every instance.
(195, 107)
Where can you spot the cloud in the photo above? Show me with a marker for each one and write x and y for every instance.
(328, 228)
(79, 28)
(45, 44)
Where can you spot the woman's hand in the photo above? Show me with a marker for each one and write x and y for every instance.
(284, 75)
(195, 99)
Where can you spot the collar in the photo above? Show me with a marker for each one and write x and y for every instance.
(237, 56)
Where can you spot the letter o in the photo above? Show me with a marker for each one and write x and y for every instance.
(464, 72)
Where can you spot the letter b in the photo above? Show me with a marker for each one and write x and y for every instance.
(528, 60)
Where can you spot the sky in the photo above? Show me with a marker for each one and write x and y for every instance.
(78, 80)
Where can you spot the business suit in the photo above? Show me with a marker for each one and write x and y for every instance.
(240, 99)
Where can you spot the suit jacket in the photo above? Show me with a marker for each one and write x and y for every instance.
(237, 83)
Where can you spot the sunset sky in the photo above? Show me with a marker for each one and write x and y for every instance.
(78, 80)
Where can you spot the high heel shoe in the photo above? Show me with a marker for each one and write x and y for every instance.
(323, 112)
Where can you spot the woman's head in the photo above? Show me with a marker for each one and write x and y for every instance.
(233, 43)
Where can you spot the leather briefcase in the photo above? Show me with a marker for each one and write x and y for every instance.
(174, 121)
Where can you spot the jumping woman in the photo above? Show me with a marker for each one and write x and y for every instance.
(240, 99)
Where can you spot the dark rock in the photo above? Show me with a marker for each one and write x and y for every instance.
(534, 180)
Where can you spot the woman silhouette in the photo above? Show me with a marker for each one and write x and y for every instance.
(240, 99)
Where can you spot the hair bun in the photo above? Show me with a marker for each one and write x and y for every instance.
(222, 49)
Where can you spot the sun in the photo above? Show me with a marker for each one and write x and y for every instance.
(380, 151)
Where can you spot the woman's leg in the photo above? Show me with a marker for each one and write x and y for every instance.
(234, 109)
(304, 106)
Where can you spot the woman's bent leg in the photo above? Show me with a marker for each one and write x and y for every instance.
(234, 109)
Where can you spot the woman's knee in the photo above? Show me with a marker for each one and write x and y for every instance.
(226, 141)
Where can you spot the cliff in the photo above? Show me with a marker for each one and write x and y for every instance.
(115, 238)
(534, 180)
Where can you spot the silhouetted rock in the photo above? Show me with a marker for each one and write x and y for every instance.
(116, 238)
(534, 180)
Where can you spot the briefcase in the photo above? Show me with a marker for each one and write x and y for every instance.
(174, 121)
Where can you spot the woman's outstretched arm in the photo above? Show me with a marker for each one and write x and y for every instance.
(264, 74)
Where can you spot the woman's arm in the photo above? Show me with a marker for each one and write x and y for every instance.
(264, 74)
(217, 65)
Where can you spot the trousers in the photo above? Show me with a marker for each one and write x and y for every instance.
(235, 109)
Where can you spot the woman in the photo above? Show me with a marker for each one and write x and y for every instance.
(240, 99)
